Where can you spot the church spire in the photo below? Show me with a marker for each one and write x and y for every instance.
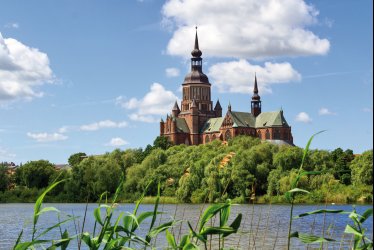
(255, 89)
(256, 100)
(196, 52)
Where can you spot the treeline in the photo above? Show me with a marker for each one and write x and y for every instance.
(244, 170)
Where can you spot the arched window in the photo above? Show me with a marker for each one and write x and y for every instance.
(267, 135)
(227, 135)
(259, 135)
(213, 137)
(276, 134)
(187, 142)
(207, 140)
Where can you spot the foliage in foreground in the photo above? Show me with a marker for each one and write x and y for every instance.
(121, 232)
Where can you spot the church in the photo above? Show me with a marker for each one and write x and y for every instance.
(196, 121)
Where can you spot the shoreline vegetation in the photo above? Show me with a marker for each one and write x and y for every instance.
(244, 170)
(213, 224)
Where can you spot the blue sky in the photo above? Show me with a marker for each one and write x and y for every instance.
(92, 76)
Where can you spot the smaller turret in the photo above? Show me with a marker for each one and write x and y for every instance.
(218, 109)
(175, 111)
(256, 100)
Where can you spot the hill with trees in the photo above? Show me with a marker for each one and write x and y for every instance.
(244, 169)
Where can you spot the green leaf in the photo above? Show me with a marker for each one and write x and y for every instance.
(40, 199)
(141, 198)
(86, 237)
(18, 239)
(97, 213)
(225, 213)
(48, 209)
(217, 230)
(54, 226)
(159, 229)
(191, 246)
(210, 212)
(308, 238)
(351, 230)
(27, 245)
(171, 240)
(321, 211)
(235, 224)
(366, 215)
(306, 150)
(194, 234)
(298, 190)
(310, 173)
(184, 241)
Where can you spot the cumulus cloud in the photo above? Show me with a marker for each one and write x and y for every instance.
(22, 70)
(172, 72)
(5, 154)
(102, 124)
(116, 142)
(244, 28)
(157, 102)
(45, 137)
(325, 111)
(303, 117)
(238, 76)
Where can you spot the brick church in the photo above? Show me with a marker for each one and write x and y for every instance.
(198, 122)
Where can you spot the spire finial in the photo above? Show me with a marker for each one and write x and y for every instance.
(229, 107)
(196, 51)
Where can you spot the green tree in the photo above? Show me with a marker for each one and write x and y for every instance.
(362, 169)
(4, 178)
(75, 159)
(341, 168)
(288, 157)
(162, 142)
(36, 173)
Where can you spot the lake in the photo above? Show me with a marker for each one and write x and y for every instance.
(263, 226)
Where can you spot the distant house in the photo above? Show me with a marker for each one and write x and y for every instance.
(11, 167)
(197, 122)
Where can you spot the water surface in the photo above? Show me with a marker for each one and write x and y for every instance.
(263, 226)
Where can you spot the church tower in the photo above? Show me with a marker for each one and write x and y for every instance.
(256, 100)
(196, 84)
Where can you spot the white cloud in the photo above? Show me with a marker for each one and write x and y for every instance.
(303, 117)
(103, 124)
(238, 76)
(157, 102)
(244, 28)
(116, 142)
(22, 69)
(5, 154)
(325, 111)
(45, 137)
(12, 25)
(172, 72)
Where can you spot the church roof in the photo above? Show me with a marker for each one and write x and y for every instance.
(182, 125)
(243, 119)
(271, 119)
(246, 119)
(212, 125)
